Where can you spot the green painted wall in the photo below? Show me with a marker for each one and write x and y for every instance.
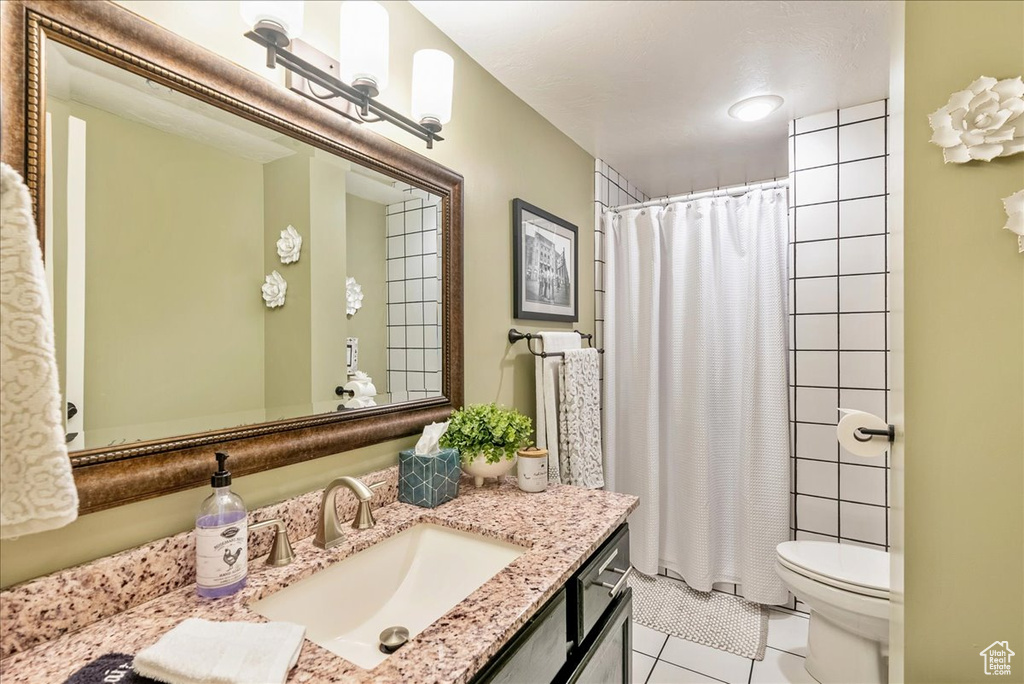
(367, 264)
(964, 516)
(502, 147)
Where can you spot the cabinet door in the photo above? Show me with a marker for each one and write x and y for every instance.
(607, 653)
(534, 655)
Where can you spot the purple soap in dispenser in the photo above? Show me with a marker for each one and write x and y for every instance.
(222, 536)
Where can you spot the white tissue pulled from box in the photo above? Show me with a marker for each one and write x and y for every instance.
(428, 444)
(848, 425)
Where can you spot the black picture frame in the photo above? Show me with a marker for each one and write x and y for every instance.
(544, 287)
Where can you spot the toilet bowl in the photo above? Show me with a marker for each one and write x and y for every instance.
(847, 590)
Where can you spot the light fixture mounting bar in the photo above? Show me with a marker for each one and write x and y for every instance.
(313, 74)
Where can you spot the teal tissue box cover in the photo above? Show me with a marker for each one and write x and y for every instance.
(428, 481)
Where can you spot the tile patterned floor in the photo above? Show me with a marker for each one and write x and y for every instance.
(662, 659)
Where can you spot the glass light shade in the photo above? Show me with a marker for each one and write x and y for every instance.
(285, 13)
(433, 74)
(755, 108)
(364, 42)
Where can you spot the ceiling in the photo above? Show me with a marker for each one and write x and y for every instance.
(646, 86)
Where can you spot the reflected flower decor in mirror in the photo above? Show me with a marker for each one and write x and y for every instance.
(983, 122)
(274, 290)
(289, 246)
(353, 296)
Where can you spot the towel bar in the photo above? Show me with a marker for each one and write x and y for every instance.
(514, 336)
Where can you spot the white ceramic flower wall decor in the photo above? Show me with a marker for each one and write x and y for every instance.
(289, 246)
(983, 122)
(274, 290)
(1014, 205)
(353, 296)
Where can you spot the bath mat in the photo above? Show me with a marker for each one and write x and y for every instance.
(722, 621)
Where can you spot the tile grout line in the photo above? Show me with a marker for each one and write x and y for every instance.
(688, 669)
(782, 650)
(793, 276)
(657, 658)
(888, 357)
(839, 321)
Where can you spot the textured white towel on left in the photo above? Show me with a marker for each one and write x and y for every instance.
(203, 652)
(547, 395)
(37, 490)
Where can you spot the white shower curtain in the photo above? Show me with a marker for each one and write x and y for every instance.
(695, 387)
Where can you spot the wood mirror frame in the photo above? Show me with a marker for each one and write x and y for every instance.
(108, 477)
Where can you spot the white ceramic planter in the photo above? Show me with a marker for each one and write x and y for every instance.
(479, 468)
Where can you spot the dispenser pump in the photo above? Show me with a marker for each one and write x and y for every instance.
(221, 478)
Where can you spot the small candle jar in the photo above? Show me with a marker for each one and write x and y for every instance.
(532, 469)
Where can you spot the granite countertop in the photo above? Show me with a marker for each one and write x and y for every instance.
(560, 528)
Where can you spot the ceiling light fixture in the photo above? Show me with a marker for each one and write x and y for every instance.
(350, 86)
(755, 108)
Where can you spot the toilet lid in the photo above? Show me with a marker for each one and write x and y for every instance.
(842, 565)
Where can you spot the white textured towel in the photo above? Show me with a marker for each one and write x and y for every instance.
(37, 490)
(547, 394)
(579, 424)
(203, 652)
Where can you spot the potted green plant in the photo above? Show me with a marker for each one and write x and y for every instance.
(487, 437)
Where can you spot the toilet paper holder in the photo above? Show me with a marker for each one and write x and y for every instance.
(865, 434)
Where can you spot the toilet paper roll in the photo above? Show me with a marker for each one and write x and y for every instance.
(849, 423)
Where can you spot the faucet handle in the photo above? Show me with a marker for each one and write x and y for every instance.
(364, 513)
(281, 548)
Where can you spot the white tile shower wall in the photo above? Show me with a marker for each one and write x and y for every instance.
(611, 189)
(413, 297)
(838, 319)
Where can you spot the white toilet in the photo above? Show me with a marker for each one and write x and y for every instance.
(847, 590)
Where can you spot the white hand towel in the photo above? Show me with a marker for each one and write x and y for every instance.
(37, 490)
(203, 652)
(546, 373)
(579, 425)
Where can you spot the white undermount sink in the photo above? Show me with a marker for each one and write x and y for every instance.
(408, 580)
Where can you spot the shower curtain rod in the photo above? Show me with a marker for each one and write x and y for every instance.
(733, 190)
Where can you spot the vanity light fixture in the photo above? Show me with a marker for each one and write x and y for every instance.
(432, 77)
(364, 46)
(755, 108)
(275, 21)
(351, 84)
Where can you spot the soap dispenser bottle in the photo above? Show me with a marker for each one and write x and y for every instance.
(221, 538)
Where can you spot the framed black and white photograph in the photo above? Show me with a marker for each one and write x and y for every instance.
(545, 265)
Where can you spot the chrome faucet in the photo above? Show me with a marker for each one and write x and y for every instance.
(328, 532)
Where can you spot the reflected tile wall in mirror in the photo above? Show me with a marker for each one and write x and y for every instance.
(414, 301)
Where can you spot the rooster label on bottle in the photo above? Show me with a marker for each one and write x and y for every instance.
(221, 554)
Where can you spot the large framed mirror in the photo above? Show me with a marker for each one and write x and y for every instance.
(232, 266)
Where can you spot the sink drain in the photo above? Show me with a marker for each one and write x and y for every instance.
(393, 638)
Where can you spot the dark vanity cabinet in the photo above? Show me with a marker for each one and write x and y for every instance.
(583, 634)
